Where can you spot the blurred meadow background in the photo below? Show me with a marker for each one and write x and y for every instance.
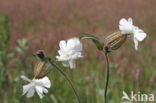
(30, 25)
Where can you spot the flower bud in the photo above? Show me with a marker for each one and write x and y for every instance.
(115, 40)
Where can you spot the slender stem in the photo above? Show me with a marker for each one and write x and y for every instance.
(107, 78)
(67, 78)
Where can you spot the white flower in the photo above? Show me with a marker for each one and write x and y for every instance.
(38, 85)
(70, 50)
(127, 28)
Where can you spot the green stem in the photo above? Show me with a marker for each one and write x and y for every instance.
(67, 78)
(107, 78)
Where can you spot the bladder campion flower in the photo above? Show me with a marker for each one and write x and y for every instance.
(70, 50)
(127, 28)
(38, 85)
(41, 82)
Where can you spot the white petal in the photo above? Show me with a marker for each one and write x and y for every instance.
(78, 47)
(45, 82)
(25, 78)
(64, 55)
(61, 52)
(39, 90)
(140, 36)
(72, 64)
(123, 21)
(59, 58)
(30, 92)
(136, 28)
(26, 88)
(130, 21)
(126, 29)
(62, 44)
(74, 44)
(135, 43)
(76, 55)
(45, 90)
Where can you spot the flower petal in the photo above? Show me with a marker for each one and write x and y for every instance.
(74, 44)
(26, 88)
(44, 82)
(130, 21)
(61, 58)
(72, 64)
(135, 43)
(126, 29)
(39, 90)
(45, 90)
(61, 52)
(140, 36)
(62, 44)
(123, 21)
(76, 55)
(25, 78)
(30, 91)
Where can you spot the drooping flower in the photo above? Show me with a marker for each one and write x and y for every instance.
(126, 27)
(36, 85)
(70, 50)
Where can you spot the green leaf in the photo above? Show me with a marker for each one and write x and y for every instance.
(95, 40)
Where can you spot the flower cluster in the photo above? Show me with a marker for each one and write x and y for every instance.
(70, 50)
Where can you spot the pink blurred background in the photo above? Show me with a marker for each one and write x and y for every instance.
(48, 21)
